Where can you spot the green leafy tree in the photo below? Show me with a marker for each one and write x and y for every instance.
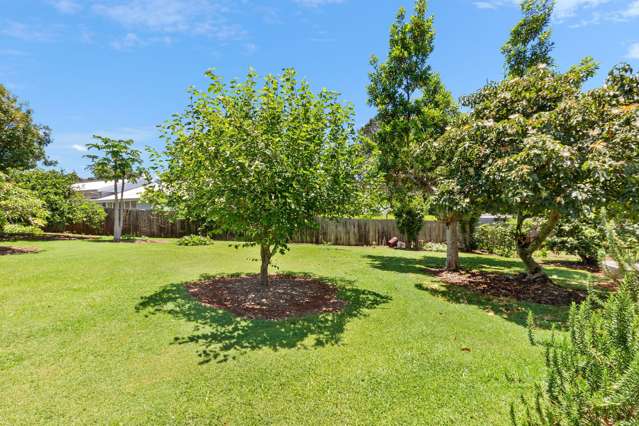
(119, 162)
(261, 163)
(64, 205)
(22, 142)
(592, 374)
(19, 206)
(547, 150)
(540, 147)
(413, 109)
(529, 44)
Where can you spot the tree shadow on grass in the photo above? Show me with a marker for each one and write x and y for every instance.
(222, 336)
(546, 316)
(512, 310)
(410, 265)
(561, 275)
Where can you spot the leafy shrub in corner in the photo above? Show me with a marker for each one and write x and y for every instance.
(592, 374)
(584, 237)
(496, 239)
(194, 240)
(410, 220)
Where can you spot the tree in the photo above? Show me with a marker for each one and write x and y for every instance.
(19, 206)
(22, 142)
(64, 205)
(413, 109)
(121, 163)
(547, 150)
(529, 44)
(458, 187)
(261, 163)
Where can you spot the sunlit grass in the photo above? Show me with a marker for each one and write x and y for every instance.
(104, 333)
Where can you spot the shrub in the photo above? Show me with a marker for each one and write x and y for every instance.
(88, 213)
(583, 237)
(22, 229)
(410, 221)
(496, 239)
(592, 375)
(194, 240)
(20, 206)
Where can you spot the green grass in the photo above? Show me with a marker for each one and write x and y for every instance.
(104, 333)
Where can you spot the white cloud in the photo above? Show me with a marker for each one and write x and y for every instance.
(633, 10)
(65, 6)
(25, 32)
(486, 5)
(129, 41)
(208, 17)
(317, 3)
(633, 51)
(563, 8)
(12, 52)
(79, 148)
(566, 8)
(80, 139)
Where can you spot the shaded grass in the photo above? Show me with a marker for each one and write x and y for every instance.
(105, 333)
(222, 336)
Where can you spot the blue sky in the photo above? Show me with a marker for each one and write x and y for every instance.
(120, 67)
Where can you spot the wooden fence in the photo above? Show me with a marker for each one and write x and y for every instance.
(346, 232)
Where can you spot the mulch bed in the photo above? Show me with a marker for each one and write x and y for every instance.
(285, 297)
(595, 269)
(46, 237)
(5, 251)
(511, 286)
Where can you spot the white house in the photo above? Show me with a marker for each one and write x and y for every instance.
(102, 192)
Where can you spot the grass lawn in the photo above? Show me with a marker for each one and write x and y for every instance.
(104, 333)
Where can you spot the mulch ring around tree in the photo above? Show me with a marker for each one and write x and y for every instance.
(511, 286)
(285, 297)
(5, 251)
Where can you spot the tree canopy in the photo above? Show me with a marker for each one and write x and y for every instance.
(22, 142)
(19, 206)
(413, 109)
(119, 162)
(529, 44)
(543, 148)
(64, 205)
(261, 162)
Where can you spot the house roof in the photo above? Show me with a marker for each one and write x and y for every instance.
(92, 185)
(129, 195)
(105, 186)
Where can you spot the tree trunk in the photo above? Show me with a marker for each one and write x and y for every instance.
(528, 244)
(588, 259)
(452, 246)
(265, 253)
(117, 227)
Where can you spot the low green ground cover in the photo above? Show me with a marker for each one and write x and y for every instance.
(96, 332)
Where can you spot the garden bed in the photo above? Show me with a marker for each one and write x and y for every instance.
(5, 251)
(511, 286)
(285, 297)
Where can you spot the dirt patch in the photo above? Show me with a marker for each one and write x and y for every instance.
(46, 237)
(595, 269)
(130, 241)
(5, 251)
(511, 286)
(286, 297)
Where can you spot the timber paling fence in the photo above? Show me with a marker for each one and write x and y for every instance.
(346, 232)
